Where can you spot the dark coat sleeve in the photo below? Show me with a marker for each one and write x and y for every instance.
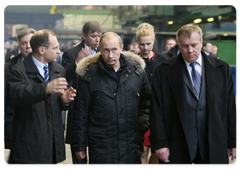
(158, 139)
(144, 104)
(231, 111)
(80, 116)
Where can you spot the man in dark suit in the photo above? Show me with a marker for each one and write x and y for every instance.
(91, 34)
(24, 37)
(38, 90)
(193, 112)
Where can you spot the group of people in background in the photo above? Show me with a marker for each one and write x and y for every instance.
(179, 103)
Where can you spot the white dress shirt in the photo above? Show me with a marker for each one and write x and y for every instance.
(39, 66)
(198, 66)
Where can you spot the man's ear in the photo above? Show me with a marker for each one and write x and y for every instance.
(121, 47)
(84, 36)
(41, 50)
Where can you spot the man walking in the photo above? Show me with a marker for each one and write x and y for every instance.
(193, 112)
(111, 111)
(38, 90)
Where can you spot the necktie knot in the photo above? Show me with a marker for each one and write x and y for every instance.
(45, 68)
(46, 73)
(193, 64)
(196, 78)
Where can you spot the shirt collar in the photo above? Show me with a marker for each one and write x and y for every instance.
(206, 53)
(85, 45)
(199, 60)
(93, 49)
(19, 51)
(38, 63)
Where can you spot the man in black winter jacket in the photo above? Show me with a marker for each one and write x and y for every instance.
(112, 105)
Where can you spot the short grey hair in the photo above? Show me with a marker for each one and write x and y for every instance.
(25, 31)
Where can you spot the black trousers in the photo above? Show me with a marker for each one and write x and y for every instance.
(198, 159)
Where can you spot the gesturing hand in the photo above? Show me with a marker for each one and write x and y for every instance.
(84, 52)
(68, 95)
(57, 85)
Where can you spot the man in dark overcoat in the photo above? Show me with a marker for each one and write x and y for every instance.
(38, 90)
(24, 37)
(188, 125)
(91, 33)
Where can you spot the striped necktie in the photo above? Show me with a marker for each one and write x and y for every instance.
(46, 73)
(196, 77)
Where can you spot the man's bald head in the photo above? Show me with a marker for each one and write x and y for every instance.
(40, 38)
(110, 35)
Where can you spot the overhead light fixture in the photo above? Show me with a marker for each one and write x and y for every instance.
(198, 20)
(170, 22)
(219, 17)
(210, 19)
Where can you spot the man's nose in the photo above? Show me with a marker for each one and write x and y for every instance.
(58, 51)
(97, 39)
(190, 49)
(28, 45)
(110, 54)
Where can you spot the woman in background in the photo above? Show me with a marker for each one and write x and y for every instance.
(145, 38)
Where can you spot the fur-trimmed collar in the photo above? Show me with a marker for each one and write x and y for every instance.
(83, 64)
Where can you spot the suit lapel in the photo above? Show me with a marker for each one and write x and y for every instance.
(176, 81)
(77, 49)
(211, 76)
(33, 72)
(31, 69)
(53, 71)
(188, 81)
